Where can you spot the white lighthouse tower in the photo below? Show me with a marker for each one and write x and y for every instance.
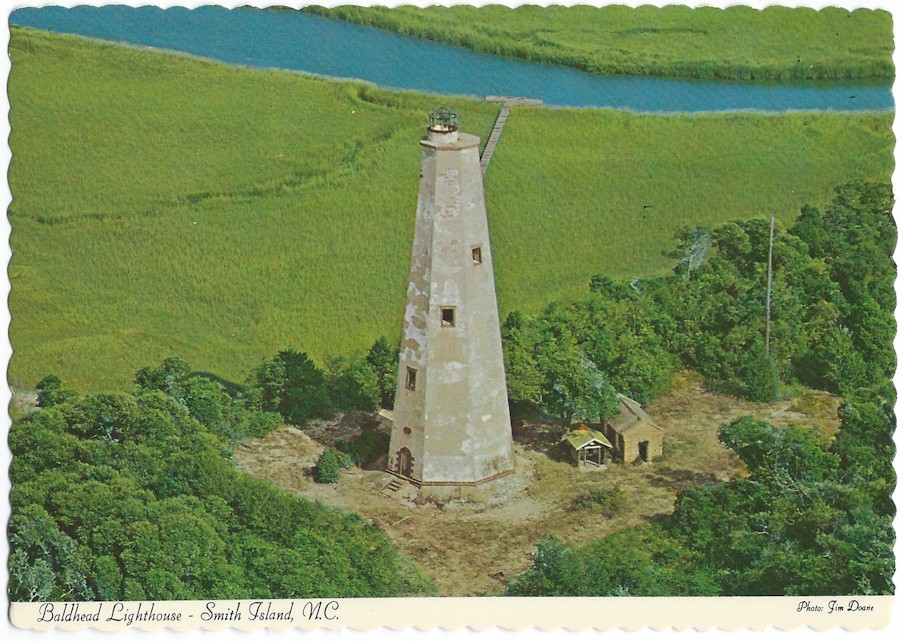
(451, 423)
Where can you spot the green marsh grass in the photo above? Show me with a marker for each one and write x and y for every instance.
(572, 193)
(776, 43)
(165, 205)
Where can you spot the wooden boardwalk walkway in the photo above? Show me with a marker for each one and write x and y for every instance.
(492, 143)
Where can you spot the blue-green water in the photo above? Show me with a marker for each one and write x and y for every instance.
(301, 42)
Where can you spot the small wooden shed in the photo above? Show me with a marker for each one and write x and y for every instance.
(634, 436)
(587, 446)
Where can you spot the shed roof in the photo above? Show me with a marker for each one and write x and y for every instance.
(581, 436)
(631, 414)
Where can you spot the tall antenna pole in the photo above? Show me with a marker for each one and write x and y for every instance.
(768, 290)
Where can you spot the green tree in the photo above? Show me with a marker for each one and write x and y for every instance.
(618, 329)
(177, 553)
(43, 564)
(168, 377)
(694, 244)
(352, 385)
(809, 518)
(51, 391)
(292, 384)
(571, 361)
(718, 319)
(545, 576)
(779, 456)
(855, 238)
(522, 372)
(579, 392)
(383, 358)
(207, 402)
(866, 448)
(646, 562)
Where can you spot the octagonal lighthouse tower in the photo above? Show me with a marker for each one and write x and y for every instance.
(451, 423)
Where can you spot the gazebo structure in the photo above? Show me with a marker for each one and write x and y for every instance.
(587, 446)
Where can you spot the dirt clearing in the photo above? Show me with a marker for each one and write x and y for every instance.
(475, 545)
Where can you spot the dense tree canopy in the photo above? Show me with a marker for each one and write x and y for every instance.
(571, 361)
(133, 497)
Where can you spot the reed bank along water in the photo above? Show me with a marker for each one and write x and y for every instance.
(312, 44)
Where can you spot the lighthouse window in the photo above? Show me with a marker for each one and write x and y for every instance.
(477, 254)
(411, 382)
(448, 316)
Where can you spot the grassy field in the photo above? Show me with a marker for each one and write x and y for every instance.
(737, 43)
(166, 205)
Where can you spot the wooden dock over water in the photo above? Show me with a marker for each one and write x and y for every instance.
(507, 103)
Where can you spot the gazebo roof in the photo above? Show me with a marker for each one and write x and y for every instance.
(581, 436)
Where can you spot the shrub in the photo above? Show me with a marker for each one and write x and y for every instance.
(330, 464)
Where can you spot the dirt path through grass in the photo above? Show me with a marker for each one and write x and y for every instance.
(476, 545)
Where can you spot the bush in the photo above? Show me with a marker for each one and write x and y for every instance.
(330, 464)
(208, 400)
(258, 424)
(169, 377)
(760, 378)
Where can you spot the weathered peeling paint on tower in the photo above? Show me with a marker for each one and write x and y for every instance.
(451, 423)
